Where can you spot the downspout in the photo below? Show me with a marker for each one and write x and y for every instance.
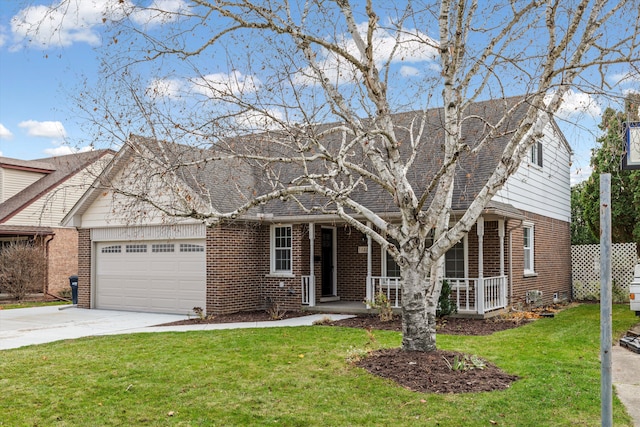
(46, 265)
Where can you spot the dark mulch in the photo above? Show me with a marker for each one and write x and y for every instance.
(430, 373)
(240, 317)
(448, 326)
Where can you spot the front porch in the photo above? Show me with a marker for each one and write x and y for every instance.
(348, 269)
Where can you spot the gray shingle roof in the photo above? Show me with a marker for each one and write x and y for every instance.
(227, 183)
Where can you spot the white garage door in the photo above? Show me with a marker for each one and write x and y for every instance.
(161, 277)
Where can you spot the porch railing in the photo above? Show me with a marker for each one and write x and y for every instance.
(479, 295)
(472, 295)
(389, 286)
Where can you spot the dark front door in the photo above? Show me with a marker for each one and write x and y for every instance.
(327, 262)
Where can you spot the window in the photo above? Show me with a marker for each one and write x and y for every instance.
(527, 234)
(114, 249)
(281, 244)
(162, 247)
(391, 266)
(188, 247)
(454, 261)
(536, 154)
(136, 248)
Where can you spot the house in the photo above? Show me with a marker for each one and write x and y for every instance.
(135, 257)
(34, 197)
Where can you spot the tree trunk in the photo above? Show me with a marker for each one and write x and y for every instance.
(418, 312)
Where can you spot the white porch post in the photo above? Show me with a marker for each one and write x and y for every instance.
(312, 276)
(480, 287)
(503, 283)
(369, 294)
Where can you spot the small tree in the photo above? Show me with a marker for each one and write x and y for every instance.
(22, 269)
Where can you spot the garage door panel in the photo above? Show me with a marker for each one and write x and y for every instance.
(165, 282)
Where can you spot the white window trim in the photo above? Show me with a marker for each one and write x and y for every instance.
(538, 149)
(531, 271)
(272, 251)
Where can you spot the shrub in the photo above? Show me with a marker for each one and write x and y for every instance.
(22, 269)
(446, 307)
(383, 305)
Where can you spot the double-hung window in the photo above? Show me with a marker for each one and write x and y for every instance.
(528, 243)
(281, 245)
(536, 154)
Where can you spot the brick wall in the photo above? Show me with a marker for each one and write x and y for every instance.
(552, 259)
(62, 259)
(352, 266)
(84, 268)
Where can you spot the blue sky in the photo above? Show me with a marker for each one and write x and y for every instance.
(38, 80)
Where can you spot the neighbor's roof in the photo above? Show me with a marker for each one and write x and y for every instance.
(20, 230)
(59, 169)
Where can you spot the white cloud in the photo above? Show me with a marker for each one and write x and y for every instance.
(5, 133)
(225, 85)
(159, 12)
(64, 150)
(254, 121)
(408, 71)
(47, 129)
(580, 174)
(577, 103)
(66, 22)
(164, 88)
(411, 46)
(3, 35)
(625, 78)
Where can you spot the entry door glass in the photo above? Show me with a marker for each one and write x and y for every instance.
(327, 262)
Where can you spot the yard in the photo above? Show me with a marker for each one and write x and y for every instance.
(300, 376)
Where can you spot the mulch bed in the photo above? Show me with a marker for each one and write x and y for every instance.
(240, 317)
(430, 373)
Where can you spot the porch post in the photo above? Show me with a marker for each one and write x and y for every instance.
(503, 282)
(480, 287)
(369, 294)
(312, 276)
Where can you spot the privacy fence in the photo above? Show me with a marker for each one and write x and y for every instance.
(585, 261)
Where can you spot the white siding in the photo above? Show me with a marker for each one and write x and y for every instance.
(13, 181)
(545, 191)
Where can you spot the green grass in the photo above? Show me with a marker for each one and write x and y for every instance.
(299, 377)
(28, 304)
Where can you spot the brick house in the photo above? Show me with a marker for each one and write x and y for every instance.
(35, 195)
(518, 251)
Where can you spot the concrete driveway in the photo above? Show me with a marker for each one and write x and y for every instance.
(40, 325)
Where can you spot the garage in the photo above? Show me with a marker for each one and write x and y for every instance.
(151, 276)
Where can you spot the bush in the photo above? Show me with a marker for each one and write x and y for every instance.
(22, 269)
(446, 307)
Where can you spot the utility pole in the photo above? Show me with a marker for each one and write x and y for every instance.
(606, 390)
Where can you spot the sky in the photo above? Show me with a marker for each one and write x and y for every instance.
(39, 79)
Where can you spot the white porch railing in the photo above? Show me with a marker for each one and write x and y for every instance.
(389, 286)
(308, 291)
(479, 295)
(469, 296)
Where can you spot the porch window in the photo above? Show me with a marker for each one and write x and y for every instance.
(393, 269)
(281, 244)
(527, 233)
(454, 261)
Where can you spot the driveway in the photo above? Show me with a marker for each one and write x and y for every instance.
(40, 325)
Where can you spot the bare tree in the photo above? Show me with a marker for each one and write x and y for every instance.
(318, 86)
(22, 269)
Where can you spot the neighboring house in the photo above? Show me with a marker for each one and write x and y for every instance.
(34, 197)
(131, 259)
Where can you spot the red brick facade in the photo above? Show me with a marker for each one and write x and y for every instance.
(238, 263)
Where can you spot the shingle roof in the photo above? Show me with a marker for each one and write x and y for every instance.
(227, 183)
(62, 167)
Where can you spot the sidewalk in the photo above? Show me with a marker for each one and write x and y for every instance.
(625, 373)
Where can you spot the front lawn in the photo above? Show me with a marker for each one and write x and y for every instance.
(300, 377)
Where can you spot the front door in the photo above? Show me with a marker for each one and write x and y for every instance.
(327, 262)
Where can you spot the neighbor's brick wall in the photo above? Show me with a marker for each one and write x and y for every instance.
(62, 260)
(84, 268)
(552, 259)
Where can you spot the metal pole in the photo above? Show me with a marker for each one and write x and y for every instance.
(605, 300)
